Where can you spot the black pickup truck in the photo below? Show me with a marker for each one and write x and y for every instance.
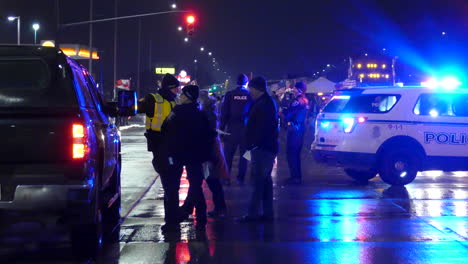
(60, 149)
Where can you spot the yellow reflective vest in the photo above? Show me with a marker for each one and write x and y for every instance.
(162, 108)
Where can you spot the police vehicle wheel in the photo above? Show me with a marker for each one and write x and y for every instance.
(399, 166)
(360, 175)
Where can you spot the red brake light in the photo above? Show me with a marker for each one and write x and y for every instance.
(362, 119)
(79, 141)
(79, 151)
(78, 131)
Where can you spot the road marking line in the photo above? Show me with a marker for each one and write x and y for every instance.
(122, 219)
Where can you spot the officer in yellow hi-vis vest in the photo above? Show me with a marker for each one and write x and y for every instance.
(157, 106)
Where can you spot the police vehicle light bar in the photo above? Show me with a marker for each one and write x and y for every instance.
(449, 83)
(341, 97)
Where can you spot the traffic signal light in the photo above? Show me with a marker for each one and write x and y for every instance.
(190, 19)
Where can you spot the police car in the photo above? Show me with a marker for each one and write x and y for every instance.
(394, 132)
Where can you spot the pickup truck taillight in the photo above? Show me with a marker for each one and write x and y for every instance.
(79, 141)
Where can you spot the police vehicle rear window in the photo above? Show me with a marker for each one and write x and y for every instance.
(363, 103)
(31, 83)
(442, 104)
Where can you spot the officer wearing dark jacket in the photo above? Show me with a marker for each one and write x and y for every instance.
(262, 142)
(157, 107)
(233, 114)
(295, 117)
(188, 141)
(216, 166)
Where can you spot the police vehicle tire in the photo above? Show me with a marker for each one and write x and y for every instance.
(399, 166)
(360, 175)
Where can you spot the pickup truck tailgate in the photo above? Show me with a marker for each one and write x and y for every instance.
(35, 139)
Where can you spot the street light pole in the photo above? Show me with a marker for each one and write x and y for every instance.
(36, 27)
(139, 57)
(18, 23)
(115, 50)
(90, 62)
(150, 57)
(19, 30)
(57, 21)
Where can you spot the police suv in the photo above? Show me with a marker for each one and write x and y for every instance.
(394, 132)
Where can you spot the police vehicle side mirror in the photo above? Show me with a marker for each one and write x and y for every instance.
(127, 104)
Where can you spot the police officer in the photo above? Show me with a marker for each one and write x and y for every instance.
(285, 103)
(233, 115)
(295, 117)
(157, 106)
(217, 167)
(188, 140)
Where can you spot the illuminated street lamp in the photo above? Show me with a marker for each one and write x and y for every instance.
(202, 49)
(174, 6)
(179, 28)
(36, 27)
(209, 53)
(18, 20)
(195, 61)
(186, 39)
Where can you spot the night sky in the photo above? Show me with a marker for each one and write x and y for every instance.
(275, 38)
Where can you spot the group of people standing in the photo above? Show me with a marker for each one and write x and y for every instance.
(182, 131)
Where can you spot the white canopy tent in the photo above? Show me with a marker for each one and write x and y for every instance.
(321, 85)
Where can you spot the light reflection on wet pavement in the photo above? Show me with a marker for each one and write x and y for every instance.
(327, 219)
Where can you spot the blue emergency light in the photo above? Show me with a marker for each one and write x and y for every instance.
(448, 83)
(325, 124)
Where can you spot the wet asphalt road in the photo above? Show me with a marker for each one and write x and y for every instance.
(328, 219)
